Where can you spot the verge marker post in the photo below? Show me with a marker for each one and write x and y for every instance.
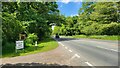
(35, 44)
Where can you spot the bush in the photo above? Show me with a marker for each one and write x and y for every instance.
(56, 30)
(10, 28)
(111, 29)
(8, 48)
(102, 29)
(31, 39)
(93, 29)
(63, 30)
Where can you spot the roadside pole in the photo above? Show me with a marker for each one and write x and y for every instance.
(36, 45)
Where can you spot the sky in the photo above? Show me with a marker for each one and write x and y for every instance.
(69, 8)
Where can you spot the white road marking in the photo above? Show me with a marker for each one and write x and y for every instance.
(70, 50)
(61, 43)
(88, 64)
(71, 59)
(114, 50)
(107, 48)
(77, 55)
(66, 48)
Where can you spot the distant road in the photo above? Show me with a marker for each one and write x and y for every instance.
(94, 52)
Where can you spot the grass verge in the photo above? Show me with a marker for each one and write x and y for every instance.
(45, 45)
(102, 37)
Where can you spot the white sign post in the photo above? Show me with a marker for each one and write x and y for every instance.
(19, 45)
(36, 45)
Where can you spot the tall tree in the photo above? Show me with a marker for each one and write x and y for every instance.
(104, 12)
(86, 10)
(33, 17)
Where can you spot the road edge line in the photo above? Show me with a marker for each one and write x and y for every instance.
(88, 64)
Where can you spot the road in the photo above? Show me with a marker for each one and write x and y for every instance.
(92, 52)
(73, 52)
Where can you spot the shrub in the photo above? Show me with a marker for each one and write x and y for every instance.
(31, 39)
(56, 30)
(93, 29)
(10, 28)
(8, 48)
(102, 29)
(111, 29)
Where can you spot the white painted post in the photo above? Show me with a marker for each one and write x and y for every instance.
(35, 44)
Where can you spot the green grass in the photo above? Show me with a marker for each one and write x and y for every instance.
(102, 37)
(45, 45)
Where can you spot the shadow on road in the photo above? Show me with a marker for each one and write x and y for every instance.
(65, 39)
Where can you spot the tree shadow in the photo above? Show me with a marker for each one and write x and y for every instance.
(65, 39)
(45, 40)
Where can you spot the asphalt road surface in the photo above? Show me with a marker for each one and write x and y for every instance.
(93, 52)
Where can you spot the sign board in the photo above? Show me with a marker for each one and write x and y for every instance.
(19, 44)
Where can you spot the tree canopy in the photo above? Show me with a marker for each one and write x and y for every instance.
(95, 18)
(29, 17)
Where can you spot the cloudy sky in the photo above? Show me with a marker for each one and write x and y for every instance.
(69, 7)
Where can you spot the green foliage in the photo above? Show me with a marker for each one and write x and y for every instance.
(104, 12)
(102, 29)
(92, 29)
(69, 22)
(10, 28)
(0, 35)
(31, 39)
(103, 37)
(44, 45)
(56, 30)
(31, 17)
(111, 29)
(95, 18)
(8, 49)
(62, 30)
